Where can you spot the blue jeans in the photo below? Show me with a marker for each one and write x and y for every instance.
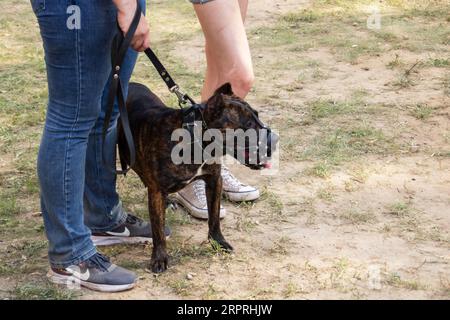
(78, 193)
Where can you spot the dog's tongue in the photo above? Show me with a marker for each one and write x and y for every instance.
(268, 165)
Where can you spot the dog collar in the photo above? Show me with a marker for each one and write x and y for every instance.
(192, 114)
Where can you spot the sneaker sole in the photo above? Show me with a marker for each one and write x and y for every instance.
(241, 197)
(69, 280)
(187, 206)
(113, 240)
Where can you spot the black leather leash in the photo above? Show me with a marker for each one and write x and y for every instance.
(187, 104)
(119, 49)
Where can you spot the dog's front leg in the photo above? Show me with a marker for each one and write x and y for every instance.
(213, 196)
(156, 210)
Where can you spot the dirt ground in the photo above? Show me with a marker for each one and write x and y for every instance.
(360, 205)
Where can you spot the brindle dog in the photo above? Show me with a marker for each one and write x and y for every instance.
(152, 124)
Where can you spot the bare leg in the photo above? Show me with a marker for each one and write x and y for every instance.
(227, 51)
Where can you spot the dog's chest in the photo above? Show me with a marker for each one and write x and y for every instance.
(183, 177)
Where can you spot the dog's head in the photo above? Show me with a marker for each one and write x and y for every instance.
(246, 137)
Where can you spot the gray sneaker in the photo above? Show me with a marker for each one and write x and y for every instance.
(193, 199)
(133, 230)
(96, 273)
(236, 191)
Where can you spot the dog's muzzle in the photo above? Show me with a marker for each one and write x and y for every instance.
(258, 157)
(255, 151)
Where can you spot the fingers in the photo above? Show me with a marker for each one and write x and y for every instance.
(146, 43)
(141, 38)
(137, 43)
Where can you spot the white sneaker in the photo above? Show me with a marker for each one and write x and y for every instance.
(236, 191)
(193, 199)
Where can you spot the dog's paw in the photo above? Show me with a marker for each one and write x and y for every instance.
(222, 245)
(226, 246)
(159, 264)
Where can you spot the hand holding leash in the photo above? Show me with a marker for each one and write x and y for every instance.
(125, 13)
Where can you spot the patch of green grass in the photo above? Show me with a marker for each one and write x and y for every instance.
(395, 63)
(422, 111)
(31, 185)
(273, 36)
(437, 10)
(393, 279)
(399, 209)
(177, 218)
(351, 48)
(211, 293)
(357, 96)
(117, 250)
(358, 174)
(348, 142)
(281, 246)
(42, 291)
(320, 170)
(274, 202)
(440, 63)
(216, 247)
(411, 224)
(24, 257)
(325, 194)
(386, 36)
(403, 82)
(296, 18)
(33, 248)
(132, 264)
(326, 108)
(181, 252)
(8, 206)
(318, 74)
(340, 265)
(244, 222)
(291, 290)
(357, 216)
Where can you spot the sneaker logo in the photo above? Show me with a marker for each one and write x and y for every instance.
(124, 233)
(76, 272)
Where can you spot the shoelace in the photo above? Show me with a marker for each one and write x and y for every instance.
(98, 261)
(133, 219)
(199, 191)
(229, 178)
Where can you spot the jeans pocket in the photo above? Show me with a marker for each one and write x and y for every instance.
(38, 6)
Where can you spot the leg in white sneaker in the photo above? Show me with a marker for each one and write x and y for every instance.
(193, 199)
(235, 190)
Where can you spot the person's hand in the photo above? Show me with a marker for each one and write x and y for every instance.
(125, 14)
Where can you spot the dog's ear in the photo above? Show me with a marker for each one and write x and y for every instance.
(216, 103)
(224, 89)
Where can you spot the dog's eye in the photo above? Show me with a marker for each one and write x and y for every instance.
(249, 124)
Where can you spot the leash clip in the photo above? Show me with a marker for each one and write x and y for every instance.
(182, 97)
